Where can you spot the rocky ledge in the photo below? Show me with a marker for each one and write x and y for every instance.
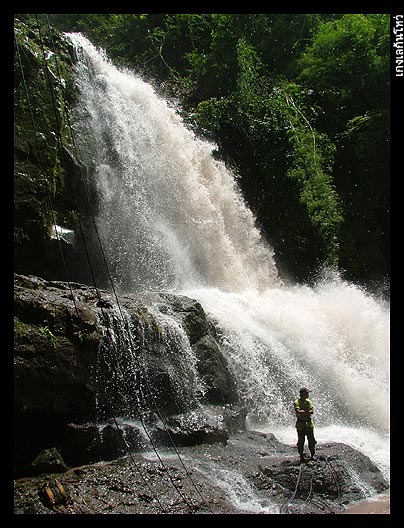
(251, 473)
(129, 406)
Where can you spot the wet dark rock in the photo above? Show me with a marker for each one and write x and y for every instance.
(90, 442)
(69, 369)
(82, 443)
(48, 461)
(201, 426)
(46, 188)
(251, 473)
(212, 366)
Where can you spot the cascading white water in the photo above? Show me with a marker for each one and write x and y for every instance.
(333, 338)
(171, 217)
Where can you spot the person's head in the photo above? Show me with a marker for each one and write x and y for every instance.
(304, 392)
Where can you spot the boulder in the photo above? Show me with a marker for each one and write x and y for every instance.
(48, 461)
(199, 426)
(93, 442)
(83, 356)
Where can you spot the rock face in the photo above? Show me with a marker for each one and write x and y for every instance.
(48, 176)
(84, 358)
(99, 377)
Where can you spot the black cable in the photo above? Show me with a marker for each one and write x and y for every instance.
(132, 346)
(334, 473)
(110, 278)
(112, 285)
(41, 164)
(75, 204)
(311, 486)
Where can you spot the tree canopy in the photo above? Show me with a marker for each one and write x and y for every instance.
(298, 106)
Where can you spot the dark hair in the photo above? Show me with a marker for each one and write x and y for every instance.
(304, 390)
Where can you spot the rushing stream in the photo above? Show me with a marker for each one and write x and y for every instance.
(171, 218)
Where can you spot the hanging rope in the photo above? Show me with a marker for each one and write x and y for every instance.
(319, 502)
(105, 318)
(62, 255)
(132, 345)
(310, 488)
(334, 474)
(109, 275)
(289, 501)
(38, 154)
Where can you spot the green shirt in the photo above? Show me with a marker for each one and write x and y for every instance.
(303, 420)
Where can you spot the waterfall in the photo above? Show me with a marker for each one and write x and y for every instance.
(172, 218)
(172, 215)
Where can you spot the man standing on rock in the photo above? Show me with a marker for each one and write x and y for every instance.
(304, 424)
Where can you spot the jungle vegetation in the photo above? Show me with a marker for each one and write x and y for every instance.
(298, 107)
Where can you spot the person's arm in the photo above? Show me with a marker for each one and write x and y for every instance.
(303, 413)
(300, 413)
(308, 412)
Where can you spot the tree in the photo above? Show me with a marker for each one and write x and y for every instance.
(298, 107)
(347, 69)
(285, 165)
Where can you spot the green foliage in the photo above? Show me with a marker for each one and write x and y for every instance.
(312, 161)
(265, 114)
(250, 73)
(297, 105)
(45, 331)
(347, 64)
(347, 69)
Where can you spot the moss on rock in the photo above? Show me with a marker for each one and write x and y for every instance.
(44, 92)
